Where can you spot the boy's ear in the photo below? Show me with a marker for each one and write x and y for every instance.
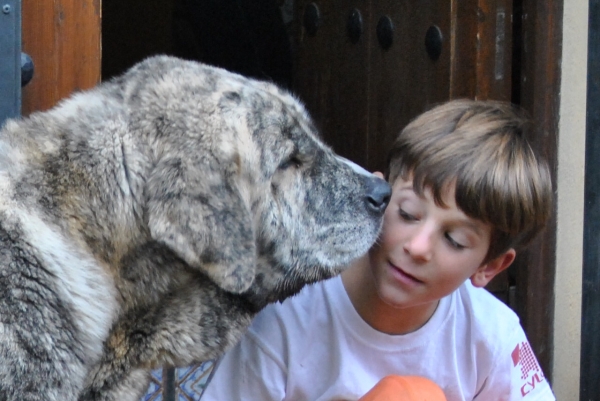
(485, 273)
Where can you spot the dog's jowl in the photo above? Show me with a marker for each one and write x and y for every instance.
(145, 222)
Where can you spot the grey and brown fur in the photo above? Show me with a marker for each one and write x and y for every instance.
(145, 222)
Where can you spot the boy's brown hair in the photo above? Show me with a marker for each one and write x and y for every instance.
(480, 146)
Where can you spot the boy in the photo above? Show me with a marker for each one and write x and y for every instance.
(467, 192)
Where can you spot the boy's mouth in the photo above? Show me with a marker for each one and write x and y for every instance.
(404, 276)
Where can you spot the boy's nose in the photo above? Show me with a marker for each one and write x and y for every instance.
(420, 245)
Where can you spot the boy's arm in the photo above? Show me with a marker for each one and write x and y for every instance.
(246, 372)
(516, 374)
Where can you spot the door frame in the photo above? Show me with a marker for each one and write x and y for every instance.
(10, 59)
(590, 324)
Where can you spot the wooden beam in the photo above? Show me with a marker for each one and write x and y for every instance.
(63, 39)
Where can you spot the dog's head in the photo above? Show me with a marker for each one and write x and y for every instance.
(246, 181)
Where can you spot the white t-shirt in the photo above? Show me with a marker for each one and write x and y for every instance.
(315, 346)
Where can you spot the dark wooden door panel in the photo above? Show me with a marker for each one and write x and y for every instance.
(362, 94)
(331, 73)
(404, 79)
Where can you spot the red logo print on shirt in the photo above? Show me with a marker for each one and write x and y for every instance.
(531, 374)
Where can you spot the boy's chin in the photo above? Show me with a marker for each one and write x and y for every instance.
(394, 297)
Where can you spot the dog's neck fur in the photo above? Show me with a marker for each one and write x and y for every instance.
(58, 178)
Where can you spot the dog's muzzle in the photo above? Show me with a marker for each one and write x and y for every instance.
(378, 190)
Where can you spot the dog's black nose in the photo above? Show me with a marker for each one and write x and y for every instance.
(378, 194)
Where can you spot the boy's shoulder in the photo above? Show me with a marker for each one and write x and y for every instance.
(500, 345)
(486, 314)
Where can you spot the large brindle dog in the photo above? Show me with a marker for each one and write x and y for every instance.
(145, 222)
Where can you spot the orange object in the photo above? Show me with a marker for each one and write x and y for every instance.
(404, 388)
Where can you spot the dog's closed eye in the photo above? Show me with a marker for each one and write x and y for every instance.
(291, 162)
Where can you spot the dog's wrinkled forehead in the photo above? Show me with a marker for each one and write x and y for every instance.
(281, 128)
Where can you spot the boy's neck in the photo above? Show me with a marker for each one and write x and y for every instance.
(358, 283)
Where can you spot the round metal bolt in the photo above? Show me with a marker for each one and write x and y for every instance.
(27, 69)
(433, 42)
(312, 19)
(385, 32)
(6, 9)
(354, 25)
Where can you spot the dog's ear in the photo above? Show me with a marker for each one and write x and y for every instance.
(197, 211)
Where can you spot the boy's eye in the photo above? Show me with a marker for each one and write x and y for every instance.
(453, 243)
(406, 216)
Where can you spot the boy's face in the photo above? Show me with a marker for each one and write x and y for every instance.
(425, 251)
